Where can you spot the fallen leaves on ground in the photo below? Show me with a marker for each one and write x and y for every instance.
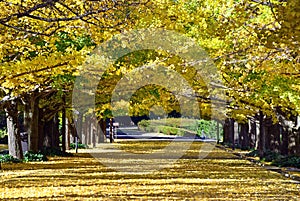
(219, 176)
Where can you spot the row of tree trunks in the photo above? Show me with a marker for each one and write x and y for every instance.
(91, 131)
(51, 133)
(41, 133)
(42, 125)
(263, 134)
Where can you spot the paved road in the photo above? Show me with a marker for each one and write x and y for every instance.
(132, 133)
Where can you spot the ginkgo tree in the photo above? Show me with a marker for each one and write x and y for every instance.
(254, 44)
(36, 47)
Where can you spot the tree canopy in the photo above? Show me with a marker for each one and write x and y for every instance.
(254, 44)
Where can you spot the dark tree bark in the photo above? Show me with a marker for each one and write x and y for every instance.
(51, 131)
(226, 138)
(293, 141)
(111, 138)
(68, 134)
(79, 127)
(218, 133)
(269, 136)
(275, 133)
(285, 141)
(63, 128)
(56, 131)
(252, 135)
(102, 131)
(298, 142)
(41, 130)
(245, 143)
(73, 130)
(261, 137)
(87, 130)
(231, 133)
(32, 121)
(14, 138)
(93, 131)
(48, 133)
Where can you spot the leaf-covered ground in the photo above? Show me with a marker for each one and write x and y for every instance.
(3, 146)
(220, 176)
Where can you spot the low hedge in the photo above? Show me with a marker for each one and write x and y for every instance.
(80, 146)
(277, 159)
(184, 127)
(6, 158)
(28, 157)
(287, 161)
(168, 130)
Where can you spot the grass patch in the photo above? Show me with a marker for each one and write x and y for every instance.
(181, 126)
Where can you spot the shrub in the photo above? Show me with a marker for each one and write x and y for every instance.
(271, 156)
(179, 124)
(8, 159)
(168, 130)
(253, 153)
(287, 161)
(144, 124)
(3, 133)
(3, 136)
(80, 146)
(31, 156)
(49, 151)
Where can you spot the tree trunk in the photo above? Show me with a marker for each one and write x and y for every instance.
(72, 130)
(14, 138)
(87, 129)
(231, 133)
(68, 134)
(252, 135)
(298, 142)
(48, 133)
(79, 127)
(245, 144)
(275, 131)
(111, 137)
(269, 136)
(285, 141)
(218, 133)
(32, 122)
(93, 131)
(41, 130)
(51, 130)
(102, 131)
(63, 129)
(261, 137)
(226, 137)
(56, 132)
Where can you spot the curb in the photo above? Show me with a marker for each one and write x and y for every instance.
(284, 172)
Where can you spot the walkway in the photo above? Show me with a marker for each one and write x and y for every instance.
(220, 176)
